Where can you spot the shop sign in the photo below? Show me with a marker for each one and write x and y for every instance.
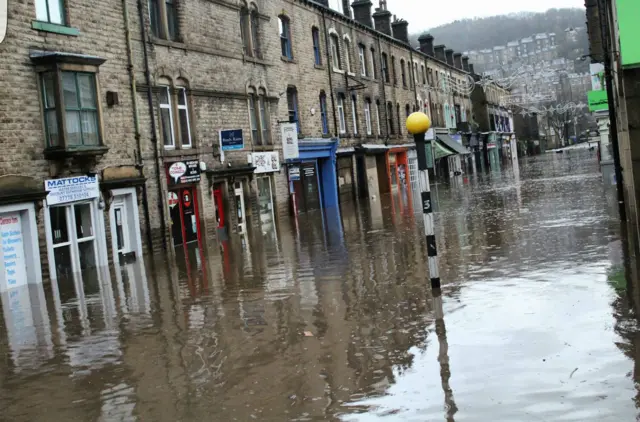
(184, 172)
(266, 162)
(294, 173)
(71, 189)
(491, 145)
(289, 132)
(13, 250)
(172, 199)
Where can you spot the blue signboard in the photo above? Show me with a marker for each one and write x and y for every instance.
(231, 140)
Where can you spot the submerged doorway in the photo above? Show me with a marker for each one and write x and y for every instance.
(183, 208)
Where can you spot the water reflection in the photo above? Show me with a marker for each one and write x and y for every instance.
(335, 319)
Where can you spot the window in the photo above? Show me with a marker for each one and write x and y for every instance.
(341, 118)
(50, 11)
(335, 52)
(374, 69)
(158, 27)
(254, 118)
(390, 119)
(255, 35)
(183, 118)
(259, 118)
(378, 117)
(354, 113)
(336, 5)
(399, 121)
(347, 55)
(245, 30)
(415, 74)
(292, 104)
(323, 113)
(315, 35)
(407, 110)
(393, 69)
(404, 75)
(424, 76)
(265, 118)
(285, 37)
(166, 117)
(367, 115)
(385, 68)
(363, 59)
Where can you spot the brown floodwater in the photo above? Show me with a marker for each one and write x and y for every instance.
(332, 319)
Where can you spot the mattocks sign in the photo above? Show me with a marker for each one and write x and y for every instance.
(184, 172)
(71, 189)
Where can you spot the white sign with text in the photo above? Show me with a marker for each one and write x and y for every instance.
(289, 132)
(266, 162)
(71, 189)
(13, 259)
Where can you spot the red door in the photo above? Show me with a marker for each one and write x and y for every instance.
(219, 206)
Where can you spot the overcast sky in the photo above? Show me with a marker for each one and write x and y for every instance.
(425, 14)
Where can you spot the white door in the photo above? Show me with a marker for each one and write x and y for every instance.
(121, 228)
(239, 194)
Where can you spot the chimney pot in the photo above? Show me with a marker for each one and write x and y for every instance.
(362, 12)
(382, 20)
(426, 44)
(400, 30)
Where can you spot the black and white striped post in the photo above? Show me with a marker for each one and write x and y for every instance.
(418, 124)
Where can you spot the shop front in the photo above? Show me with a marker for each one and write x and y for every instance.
(183, 178)
(346, 179)
(267, 166)
(232, 198)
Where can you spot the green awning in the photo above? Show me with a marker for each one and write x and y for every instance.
(439, 149)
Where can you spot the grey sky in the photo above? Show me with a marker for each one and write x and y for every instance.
(425, 14)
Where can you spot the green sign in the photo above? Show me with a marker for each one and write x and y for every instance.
(598, 100)
(628, 13)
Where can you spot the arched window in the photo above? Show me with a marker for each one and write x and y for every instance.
(403, 72)
(341, 118)
(394, 70)
(347, 54)
(317, 52)
(255, 34)
(399, 121)
(323, 113)
(285, 37)
(385, 68)
(390, 118)
(183, 114)
(407, 110)
(245, 30)
(335, 52)
(354, 113)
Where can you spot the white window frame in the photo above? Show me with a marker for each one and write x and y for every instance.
(354, 114)
(363, 59)
(128, 199)
(341, 117)
(367, 116)
(185, 107)
(378, 119)
(347, 54)
(335, 52)
(30, 243)
(168, 107)
(373, 64)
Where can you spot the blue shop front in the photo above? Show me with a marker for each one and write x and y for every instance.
(312, 176)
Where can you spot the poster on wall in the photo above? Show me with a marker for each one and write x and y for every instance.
(597, 76)
(182, 172)
(266, 162)
(71, 189)
(13, 259)
(289, 132)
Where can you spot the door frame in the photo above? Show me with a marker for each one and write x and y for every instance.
(129, 197)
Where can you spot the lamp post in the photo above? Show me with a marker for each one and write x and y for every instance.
(418, 124)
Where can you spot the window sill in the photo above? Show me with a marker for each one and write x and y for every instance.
(318, 66)
(351, 74)
(61, 153)
(55, 28)
(287, 59)
(327, 136)
(177, 152)
(167, 43)
(335, 70)
(372, 136)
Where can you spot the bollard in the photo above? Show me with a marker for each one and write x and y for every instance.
(418, 124)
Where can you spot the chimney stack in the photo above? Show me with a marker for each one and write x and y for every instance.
(439, 50)
(426, 44)
(400, 30)
(465, 63)
(362, 12)
(471, 69)
(382, 19)
(449, 56)
(457, 60)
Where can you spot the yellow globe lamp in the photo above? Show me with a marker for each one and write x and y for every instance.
(418, 123)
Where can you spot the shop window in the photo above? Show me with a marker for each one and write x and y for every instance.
(341, 117)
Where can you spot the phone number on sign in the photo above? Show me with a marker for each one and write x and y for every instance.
(73, 197)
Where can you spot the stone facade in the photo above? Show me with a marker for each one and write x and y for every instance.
(167, 85)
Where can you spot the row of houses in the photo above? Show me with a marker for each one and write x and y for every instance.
(163, 123)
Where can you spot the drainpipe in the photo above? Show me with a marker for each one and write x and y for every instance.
(136, 120)
(326, 47)
(152, 119)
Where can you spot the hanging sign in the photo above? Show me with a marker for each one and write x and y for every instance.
(183, 172)
(289, 132)
(172, 199)
(294, 173)
(266, 162)
(71, 189)
(15, 270)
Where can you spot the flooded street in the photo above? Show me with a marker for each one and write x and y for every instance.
(322, 322)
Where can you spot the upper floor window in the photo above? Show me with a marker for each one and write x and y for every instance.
(362, 54)
(341, 118)
(255, 35)
(323, 113)
(259, 118)
(398, 117)
(354, 113)
(335, 52)
(183, 118)
(374, 69)
(393, 69)
(285, 37)
(347, 54)
(249, 21)
(385, 68)
(317, 55)
(292, 104)
(51, 11)
(175, 132)
(367, 116)
(378, 117)
(158, 8)
(404, 75)
(424, 76)
(390, 119)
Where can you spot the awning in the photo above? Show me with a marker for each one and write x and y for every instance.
(452, 145)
